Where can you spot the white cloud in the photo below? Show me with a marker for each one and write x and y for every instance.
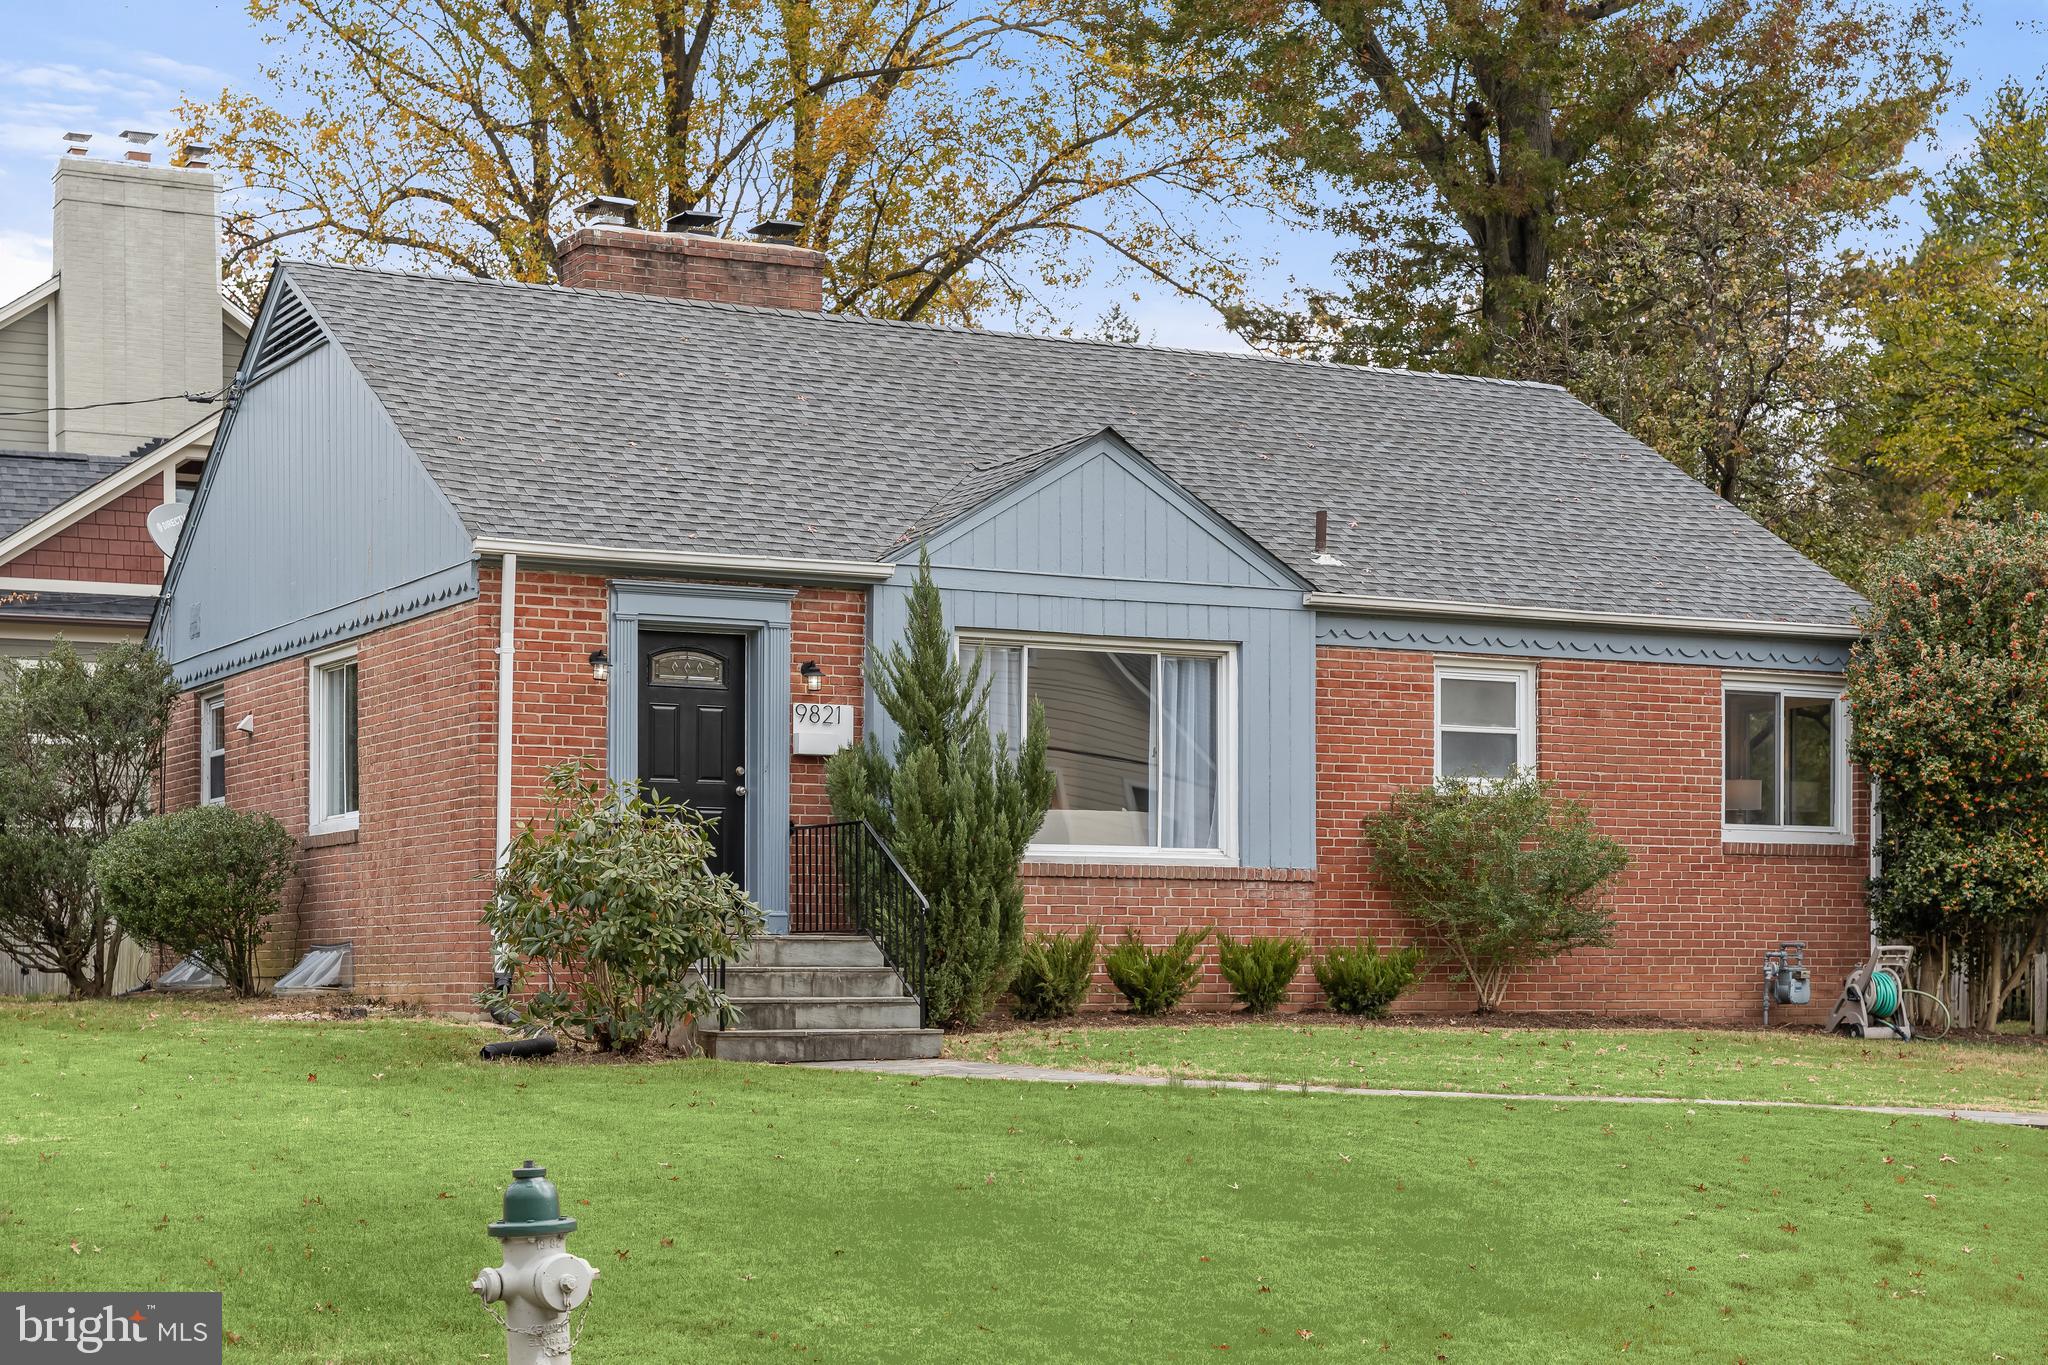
(24, 263)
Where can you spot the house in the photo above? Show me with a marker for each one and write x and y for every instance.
(457, 530)
(95, 432)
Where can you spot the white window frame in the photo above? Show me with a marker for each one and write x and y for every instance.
(213, 717)
(1808, 687)
(1227, 740)
(319, 821)
(1523, 676)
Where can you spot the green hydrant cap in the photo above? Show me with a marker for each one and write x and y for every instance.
(533, 1208)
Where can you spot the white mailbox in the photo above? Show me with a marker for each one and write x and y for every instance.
(820, 727)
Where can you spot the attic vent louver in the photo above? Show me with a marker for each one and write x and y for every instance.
(289, 333)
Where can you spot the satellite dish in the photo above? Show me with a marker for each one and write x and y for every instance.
(165, 521)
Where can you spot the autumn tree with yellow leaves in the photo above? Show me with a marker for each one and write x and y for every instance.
(954, 160)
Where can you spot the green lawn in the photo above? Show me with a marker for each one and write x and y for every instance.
(334, 1178)
(1681, 1063)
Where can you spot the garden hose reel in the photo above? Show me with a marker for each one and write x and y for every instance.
(1874, 998)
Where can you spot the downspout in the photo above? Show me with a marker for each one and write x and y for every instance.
(508, 590)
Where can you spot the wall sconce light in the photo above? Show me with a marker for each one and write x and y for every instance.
(813, 676)
(247, 724)
(600, 664)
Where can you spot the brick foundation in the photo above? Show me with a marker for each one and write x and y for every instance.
(1639, 742)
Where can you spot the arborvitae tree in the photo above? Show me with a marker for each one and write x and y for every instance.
(954, 804)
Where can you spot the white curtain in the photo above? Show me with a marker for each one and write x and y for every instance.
(1002, 667)
(1187, 759)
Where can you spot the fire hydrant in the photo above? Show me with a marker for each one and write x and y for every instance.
(540, 1281)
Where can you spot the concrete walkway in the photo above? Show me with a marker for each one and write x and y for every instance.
(1004, 1071)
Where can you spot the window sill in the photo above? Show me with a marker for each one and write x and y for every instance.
(1162, 871)
(1783, 843)
(333, 838)
(335, 824)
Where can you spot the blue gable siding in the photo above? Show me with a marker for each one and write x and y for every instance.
(1101, 544)
(1104, 513)
(314, 523)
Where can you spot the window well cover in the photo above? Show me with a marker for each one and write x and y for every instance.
(190, 974)
(326, 966)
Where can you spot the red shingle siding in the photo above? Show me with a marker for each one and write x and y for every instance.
(111, 545)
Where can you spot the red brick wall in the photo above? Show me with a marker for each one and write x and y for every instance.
(405, 887)
(691, 265)
(1639, 742)
(829, 626)
(558, 707)
(110, 546)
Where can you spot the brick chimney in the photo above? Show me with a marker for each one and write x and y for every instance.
(692, 265)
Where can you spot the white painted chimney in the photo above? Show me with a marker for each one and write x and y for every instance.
(135, 249)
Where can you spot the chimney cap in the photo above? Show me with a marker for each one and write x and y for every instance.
(692, 220)
(137, 136)
(78, 137)
(776, 229)
(609, 208)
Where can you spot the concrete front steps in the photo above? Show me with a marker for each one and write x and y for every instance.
(818, 998)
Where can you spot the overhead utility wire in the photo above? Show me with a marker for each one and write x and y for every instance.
(214, 397)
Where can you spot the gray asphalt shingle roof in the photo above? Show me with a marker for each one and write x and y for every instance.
(34, 481)
(620, 420)
(101, 608)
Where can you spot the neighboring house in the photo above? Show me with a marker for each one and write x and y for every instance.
(1255, 597)
(94, 430)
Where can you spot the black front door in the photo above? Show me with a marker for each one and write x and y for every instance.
(693, 733)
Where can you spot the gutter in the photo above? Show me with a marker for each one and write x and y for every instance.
(689, 561)
(1712, 625)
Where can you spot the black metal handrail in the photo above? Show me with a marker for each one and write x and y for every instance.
(844, 880)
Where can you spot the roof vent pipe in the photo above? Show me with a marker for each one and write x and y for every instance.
(1323, 558)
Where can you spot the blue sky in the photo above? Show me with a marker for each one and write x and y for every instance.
(100, 66)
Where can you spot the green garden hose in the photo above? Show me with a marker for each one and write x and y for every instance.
(1884, 993)
(1947, 1019)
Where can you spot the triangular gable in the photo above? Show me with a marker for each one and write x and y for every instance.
(83, 503)
(1093, 507)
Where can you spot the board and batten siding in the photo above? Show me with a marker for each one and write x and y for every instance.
(25, 380)
(1101, 544)
(314, 523)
